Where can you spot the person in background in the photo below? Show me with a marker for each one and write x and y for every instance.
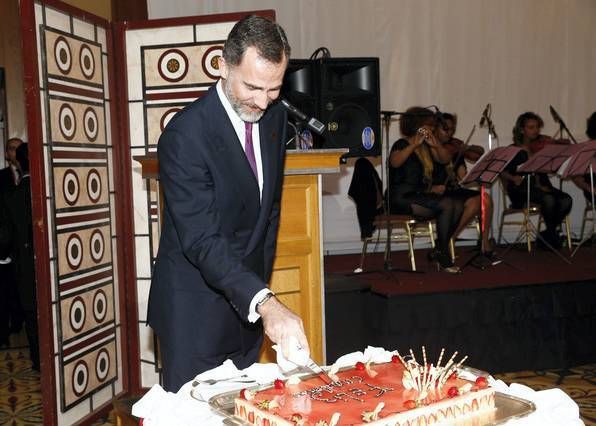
(554, 203)
(411, 191)
(16, 220)
(221, 168)
(446, 178)
(584, 182)
(11, 313)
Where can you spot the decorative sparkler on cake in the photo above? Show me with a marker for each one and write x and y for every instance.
(424, 377)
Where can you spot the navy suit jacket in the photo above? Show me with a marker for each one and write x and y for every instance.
(218, 238)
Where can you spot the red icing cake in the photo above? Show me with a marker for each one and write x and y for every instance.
(374, 396)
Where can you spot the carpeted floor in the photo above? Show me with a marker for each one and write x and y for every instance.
(20, 389)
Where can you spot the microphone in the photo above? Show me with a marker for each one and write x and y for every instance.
(555, 115)
(484, 115)
(314, 124)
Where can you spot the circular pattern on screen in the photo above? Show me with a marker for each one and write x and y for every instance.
(90, 124)
(94, 185)
(100, 305)
(70, 187)
(74, 251)
(172, 65)
(167, 116)
(67, 122)
(87, 61)
(80, 378)
(96, 246)
(210, 61)
(77, 313)
(62, 55)
(102, 364)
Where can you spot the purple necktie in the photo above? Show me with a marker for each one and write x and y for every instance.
(249, 148)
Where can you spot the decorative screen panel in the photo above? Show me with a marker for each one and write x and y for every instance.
(167, 69)
(77, 145)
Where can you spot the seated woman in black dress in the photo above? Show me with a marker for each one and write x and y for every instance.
(410, 180)
(584, 182)
(446, 177)
(554, 203)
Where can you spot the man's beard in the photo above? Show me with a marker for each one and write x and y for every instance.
(238, 106)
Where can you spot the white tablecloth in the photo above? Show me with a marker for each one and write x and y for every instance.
(188, 407)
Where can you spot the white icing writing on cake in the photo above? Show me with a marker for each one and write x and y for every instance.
(326, 393)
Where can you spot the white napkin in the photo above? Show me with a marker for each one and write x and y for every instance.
(297, 356)
(161, 408)
(232, 379)
(553, 406)
(370, 354)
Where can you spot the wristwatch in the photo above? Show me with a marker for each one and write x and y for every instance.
(264, 299)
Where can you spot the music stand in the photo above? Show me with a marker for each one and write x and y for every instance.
(484, 172)
(581, 162)
(547, 160)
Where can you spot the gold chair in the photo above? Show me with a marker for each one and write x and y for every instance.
(398, 228)
(526, 226)
(524, 223)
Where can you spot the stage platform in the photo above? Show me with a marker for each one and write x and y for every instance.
(533, 311)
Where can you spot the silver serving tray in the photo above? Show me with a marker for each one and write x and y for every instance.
(507, 407)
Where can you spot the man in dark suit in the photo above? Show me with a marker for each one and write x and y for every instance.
(15, 216)
(221, 170)
(11, 314)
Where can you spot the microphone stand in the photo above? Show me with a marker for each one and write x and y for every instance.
(491, 133)
(562, 126)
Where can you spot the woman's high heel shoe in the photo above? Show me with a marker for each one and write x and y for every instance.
(444, 263)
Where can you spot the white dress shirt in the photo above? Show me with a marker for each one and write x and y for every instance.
(238, 125)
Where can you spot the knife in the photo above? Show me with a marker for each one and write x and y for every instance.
(315, 368)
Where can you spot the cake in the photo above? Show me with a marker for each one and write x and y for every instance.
(395, 393)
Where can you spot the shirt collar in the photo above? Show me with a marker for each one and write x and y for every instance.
(234, 117)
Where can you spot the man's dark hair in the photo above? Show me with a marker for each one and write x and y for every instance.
(263, 34)
(414, 118)
(591, 126)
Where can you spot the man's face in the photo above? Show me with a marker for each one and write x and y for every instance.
(11, 151)
(252, 85)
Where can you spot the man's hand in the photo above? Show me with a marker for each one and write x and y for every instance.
(281, 325)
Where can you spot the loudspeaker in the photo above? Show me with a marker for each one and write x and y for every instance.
(343, 93)
(301, 87)
(350, 104)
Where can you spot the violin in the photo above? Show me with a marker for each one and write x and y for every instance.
(457, 147)
(541, 141)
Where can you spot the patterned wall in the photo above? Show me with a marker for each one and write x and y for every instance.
(167, 69)
(77, 148)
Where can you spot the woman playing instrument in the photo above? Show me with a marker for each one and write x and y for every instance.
(554, 203)
(446, 178)
(410, 179)
(583, 182)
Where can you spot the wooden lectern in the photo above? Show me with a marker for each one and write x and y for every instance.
(298, 267)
